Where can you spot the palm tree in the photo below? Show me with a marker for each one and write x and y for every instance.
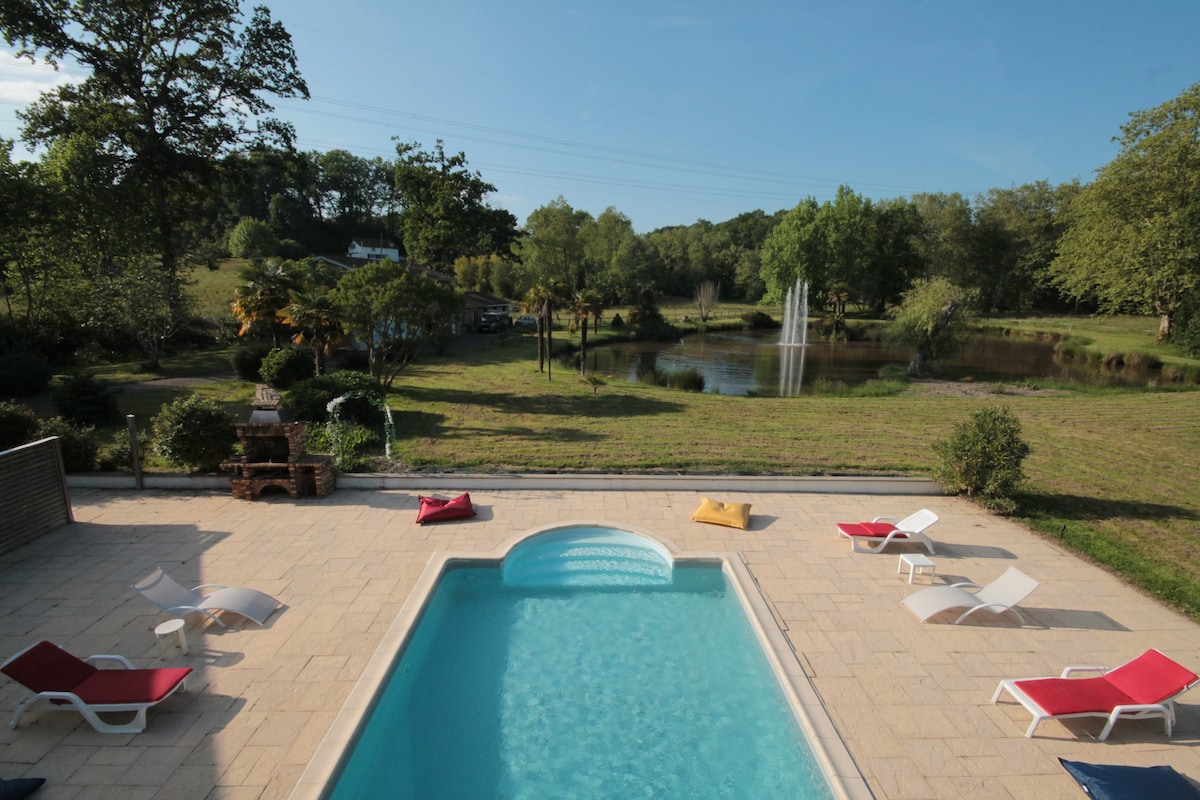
(539, 302)
(263, 293)
(316, 321)
(584, 304)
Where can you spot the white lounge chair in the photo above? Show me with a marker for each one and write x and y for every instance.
(999, 596)
(1143, 688)
(882, 531)
(168, 595)
(69, 683)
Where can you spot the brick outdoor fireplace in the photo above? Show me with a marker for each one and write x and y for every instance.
(273, 454)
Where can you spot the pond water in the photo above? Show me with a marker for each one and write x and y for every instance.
(752, 363)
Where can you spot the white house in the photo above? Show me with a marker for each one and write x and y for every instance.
(373, 249)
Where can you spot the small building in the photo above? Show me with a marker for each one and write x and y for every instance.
(479, 307)
(373, 248)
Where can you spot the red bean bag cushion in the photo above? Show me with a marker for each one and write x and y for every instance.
(435, 509)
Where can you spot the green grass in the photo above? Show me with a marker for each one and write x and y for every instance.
(1113, 468)
(1111, 474)
(212, 290)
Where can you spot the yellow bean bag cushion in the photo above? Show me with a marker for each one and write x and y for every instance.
(735, 515)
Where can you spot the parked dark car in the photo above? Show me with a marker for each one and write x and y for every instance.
(494, 323)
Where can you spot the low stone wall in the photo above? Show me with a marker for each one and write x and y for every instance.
(33, 493)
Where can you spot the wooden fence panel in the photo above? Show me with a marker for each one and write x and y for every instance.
(33, 493)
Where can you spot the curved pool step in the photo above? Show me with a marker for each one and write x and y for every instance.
(588, 557)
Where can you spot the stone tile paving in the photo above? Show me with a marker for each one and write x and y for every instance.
(911, 699)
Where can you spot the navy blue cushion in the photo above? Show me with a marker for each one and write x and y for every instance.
(16, 788)
(1113, 782)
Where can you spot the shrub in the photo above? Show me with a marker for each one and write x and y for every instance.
(291, 249)
(759, 321)
(248, 358)
(18, 425)
(307, 400)
(688, 379)
(23, 374)
(617, 323)
(983, 458)
(83, 400)
(651, 375)
(77, 442)
(193, 432)
(894, 372)
(252, 238)
(115, 454)
(286, 366)
(343, 440)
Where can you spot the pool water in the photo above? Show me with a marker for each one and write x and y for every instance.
(510, 691)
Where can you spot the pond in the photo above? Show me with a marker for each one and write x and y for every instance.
(752, 363)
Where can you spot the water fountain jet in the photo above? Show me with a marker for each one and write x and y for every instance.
(793, 340)
(795, 316)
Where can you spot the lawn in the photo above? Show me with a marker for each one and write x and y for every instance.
(1111, 473)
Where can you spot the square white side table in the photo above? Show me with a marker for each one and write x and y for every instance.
(917, 563)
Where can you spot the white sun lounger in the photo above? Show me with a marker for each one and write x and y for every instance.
(167, 594)
(999, 596)
(882, 531)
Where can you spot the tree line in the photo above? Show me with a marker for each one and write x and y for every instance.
(166, 159)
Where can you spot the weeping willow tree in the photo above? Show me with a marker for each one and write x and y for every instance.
(933, 319)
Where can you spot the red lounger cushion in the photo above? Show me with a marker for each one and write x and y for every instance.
(435, 509)
(113, 686)
(873, 530)
(46, 667)
(1058, 696)
(1151, 678)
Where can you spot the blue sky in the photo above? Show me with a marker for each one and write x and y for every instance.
(673, 112)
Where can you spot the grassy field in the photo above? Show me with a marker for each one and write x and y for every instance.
(1111, 473)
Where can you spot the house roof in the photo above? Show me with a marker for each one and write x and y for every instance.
(352, 262)
(474, 300)
(375, 242)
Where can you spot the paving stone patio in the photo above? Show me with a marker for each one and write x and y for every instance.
(910, 699)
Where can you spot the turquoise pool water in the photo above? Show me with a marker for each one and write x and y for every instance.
(518, 691)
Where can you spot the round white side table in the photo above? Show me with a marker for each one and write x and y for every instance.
(165, 629)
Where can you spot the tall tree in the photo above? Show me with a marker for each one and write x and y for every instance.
(392, 311)
(896, 261)
(947, 240)
(173, 85)
(1019, 230)
(1133, 236)
(444, 214)
(795, 249)
(42, 290)
(539, 302)
(553, 251)
(933, 320)
(585, 304)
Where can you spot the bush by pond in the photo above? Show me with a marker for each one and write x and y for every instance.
(983, 458)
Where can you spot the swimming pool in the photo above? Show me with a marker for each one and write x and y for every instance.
(535, 677)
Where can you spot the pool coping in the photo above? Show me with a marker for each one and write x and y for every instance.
(842, 773)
